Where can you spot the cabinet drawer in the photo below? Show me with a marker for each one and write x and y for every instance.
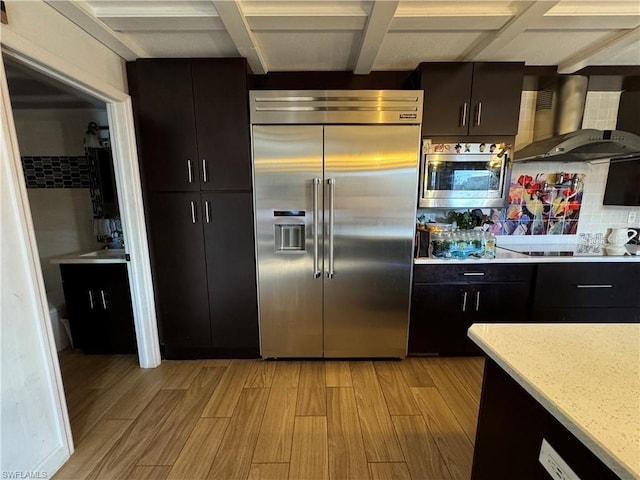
(473, 273)
(588, 285)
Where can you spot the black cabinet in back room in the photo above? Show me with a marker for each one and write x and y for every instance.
(194, 146)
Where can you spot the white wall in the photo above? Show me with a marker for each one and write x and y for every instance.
(36, 22)
(33, 436)
(43, 132)
(33, 410)
(62, 221)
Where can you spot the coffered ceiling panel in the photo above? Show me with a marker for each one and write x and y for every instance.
(540, 48)
(403, 51)
(629, 55)
(309, 51)
(187, 44)
(361, 35)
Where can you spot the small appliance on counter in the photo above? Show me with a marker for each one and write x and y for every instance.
(464, 175)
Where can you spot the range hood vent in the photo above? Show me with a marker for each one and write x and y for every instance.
(582, 146)
(557, 135)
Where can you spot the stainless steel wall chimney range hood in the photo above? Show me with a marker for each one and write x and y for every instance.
(557, 135)
(582, 146)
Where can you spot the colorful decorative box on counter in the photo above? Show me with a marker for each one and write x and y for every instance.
(462, 244)
(445, 241)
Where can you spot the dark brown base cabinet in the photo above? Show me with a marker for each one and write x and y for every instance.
(447, 299)
(99, 307)
(205, 274)
(587, 293)
(511, 427)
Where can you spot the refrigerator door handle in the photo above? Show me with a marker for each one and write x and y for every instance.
(331, 182)
(316, 271)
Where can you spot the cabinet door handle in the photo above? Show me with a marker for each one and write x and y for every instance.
(189, 171)
(207, 211)
(194, 213)
(316, 271)
(473, 274)
(464, 301)
(91, 304)
(205, 173)
(477, 300)
(104, 299)
(594, 286)
(463, 117)
(479, 114)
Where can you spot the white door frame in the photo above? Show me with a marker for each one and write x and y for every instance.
(125, 162)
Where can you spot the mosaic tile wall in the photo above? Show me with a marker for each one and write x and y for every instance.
(541, 204)
(56, 172)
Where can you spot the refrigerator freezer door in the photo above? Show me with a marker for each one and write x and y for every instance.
(371, 173)
(287, 159)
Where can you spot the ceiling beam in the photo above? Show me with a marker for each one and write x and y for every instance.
(238, 29)
(530, 14)
(380, 18)
(615, 41)
(80, 13)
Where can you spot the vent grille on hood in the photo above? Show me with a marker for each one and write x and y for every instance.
(557, 134)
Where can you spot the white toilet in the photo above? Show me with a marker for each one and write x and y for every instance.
(59, 322)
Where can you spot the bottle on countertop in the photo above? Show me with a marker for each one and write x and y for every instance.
(489, 245)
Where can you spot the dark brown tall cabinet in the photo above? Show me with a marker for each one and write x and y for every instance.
(466, 99)
(193, 140)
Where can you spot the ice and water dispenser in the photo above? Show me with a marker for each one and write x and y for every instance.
(290, 231)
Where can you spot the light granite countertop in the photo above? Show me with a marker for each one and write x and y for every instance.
(586, 375)
(92, 257)
(553, 253)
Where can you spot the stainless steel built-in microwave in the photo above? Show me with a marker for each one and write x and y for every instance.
(467, 175)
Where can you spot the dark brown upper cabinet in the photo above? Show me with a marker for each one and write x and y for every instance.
(193, 126)
(466, 99)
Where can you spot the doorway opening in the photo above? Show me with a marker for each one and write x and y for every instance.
(64, 142)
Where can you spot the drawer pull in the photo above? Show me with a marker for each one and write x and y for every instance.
(594, 286)
(473, 274)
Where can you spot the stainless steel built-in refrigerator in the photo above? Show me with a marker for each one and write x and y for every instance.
(336, 176)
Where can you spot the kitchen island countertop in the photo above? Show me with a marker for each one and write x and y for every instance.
(587, 376)
(92, 257)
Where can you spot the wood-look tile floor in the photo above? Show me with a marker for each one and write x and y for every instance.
(253, 419)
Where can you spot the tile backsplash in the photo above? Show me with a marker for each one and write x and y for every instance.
(547, 203)
(56, 172)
